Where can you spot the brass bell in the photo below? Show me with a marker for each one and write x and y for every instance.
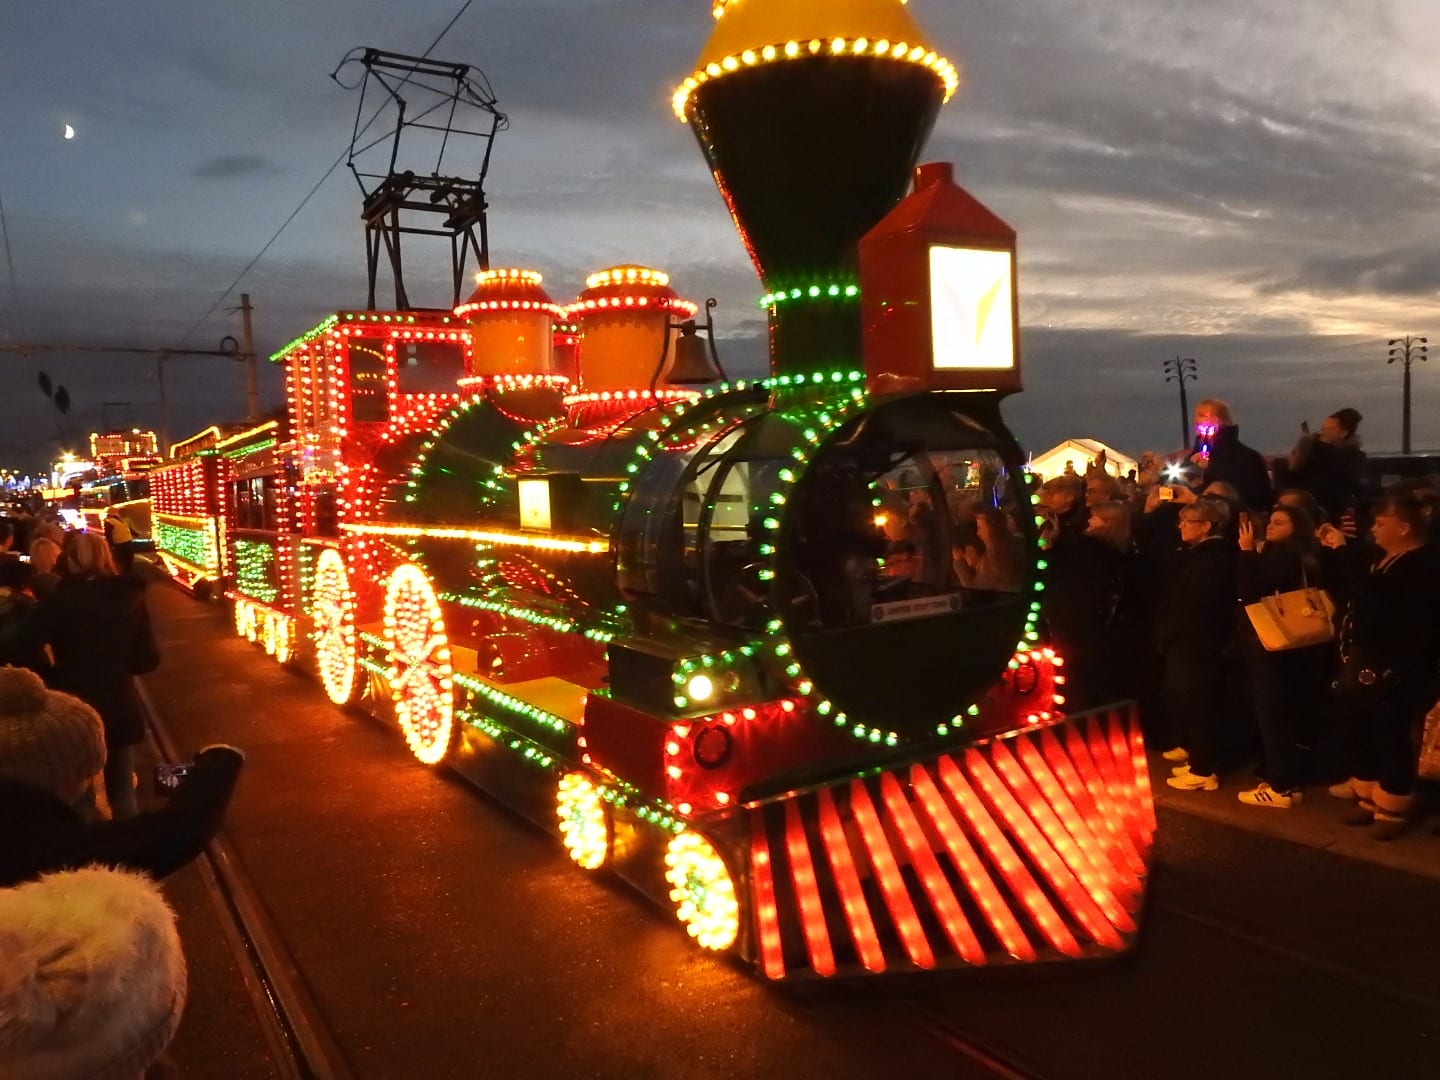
(692, 362)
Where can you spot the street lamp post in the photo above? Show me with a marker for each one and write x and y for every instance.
(1182, 370)
(1405, 350)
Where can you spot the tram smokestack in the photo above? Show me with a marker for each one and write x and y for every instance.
(812, 115)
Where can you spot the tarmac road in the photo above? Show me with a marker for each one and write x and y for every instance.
(442, 936)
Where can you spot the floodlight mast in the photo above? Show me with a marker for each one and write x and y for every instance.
(397, 199)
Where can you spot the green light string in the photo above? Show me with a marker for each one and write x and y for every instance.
(511, 704)
(537, 618)
(532, 752)
(253, 448)
(372, 666)
(252, 565)
(672, 415)
(305, 338)
(442, 425)
(195, 546)
(831, 291)
(815, 421)
(619, 793)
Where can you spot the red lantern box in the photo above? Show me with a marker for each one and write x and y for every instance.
(937, 293)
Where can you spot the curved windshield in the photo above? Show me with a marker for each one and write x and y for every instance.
(903, 522)
(675, 502)
(908, 548)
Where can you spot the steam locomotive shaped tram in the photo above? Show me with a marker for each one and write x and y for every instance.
(717, 634)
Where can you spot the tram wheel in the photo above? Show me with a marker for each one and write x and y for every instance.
(245, 621)
(420, 674)
(332, 612)
(702, 890)
(584, 821)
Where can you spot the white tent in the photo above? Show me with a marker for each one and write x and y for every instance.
(1080, 454)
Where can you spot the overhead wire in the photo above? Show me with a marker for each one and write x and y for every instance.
(311, 193)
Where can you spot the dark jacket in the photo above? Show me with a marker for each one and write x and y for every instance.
(1334, 473)
(99, 631)
(40, 834)
(1234, 463)
(1393, 623)
(1197, 607)
(17, 640)
(1094, 612)
(1277, 568)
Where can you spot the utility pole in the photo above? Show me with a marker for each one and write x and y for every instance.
(228, 349)
(247, 356)
(1182, 370)
(1405, 350)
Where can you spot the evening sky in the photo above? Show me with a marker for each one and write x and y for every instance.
(1253, 183)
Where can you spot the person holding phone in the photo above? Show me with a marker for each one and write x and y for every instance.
(1390, 662)
(1286, 687)
(1221, 455)
(52, 749)
(1330, 465)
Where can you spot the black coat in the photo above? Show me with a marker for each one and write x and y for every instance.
(1094, 613)
(39, 834)
(1393, 622)
(1236, 464)
(1197, 606)
(1277, 568)
(17, 640)
(1334, 473)
(99, 630)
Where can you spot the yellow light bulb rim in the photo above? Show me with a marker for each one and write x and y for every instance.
(901, 52)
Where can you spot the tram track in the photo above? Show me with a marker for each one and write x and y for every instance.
(976, 1027)
(1334, 970)
(296, 1034)
(995, 1060)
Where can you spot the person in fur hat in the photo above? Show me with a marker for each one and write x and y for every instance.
(92, 979)
(52, 748)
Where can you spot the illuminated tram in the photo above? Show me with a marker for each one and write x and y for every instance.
(717, 635)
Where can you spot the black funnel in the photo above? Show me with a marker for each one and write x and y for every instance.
(810, 151)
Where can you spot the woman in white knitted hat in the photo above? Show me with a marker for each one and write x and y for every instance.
(52, 748)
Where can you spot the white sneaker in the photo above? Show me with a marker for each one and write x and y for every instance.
(1265, 795)
(1180, 770)
(1352, 789)
(1176, 754)
(1189, 781)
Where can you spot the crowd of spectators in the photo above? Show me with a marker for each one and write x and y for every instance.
(1150, 576)
(92, 978)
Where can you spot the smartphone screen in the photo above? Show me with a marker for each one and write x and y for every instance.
(168, 778)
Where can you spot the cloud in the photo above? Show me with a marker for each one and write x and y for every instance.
(1412, 270)
(235, 167)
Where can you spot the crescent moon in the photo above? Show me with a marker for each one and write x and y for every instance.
(69, 132)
